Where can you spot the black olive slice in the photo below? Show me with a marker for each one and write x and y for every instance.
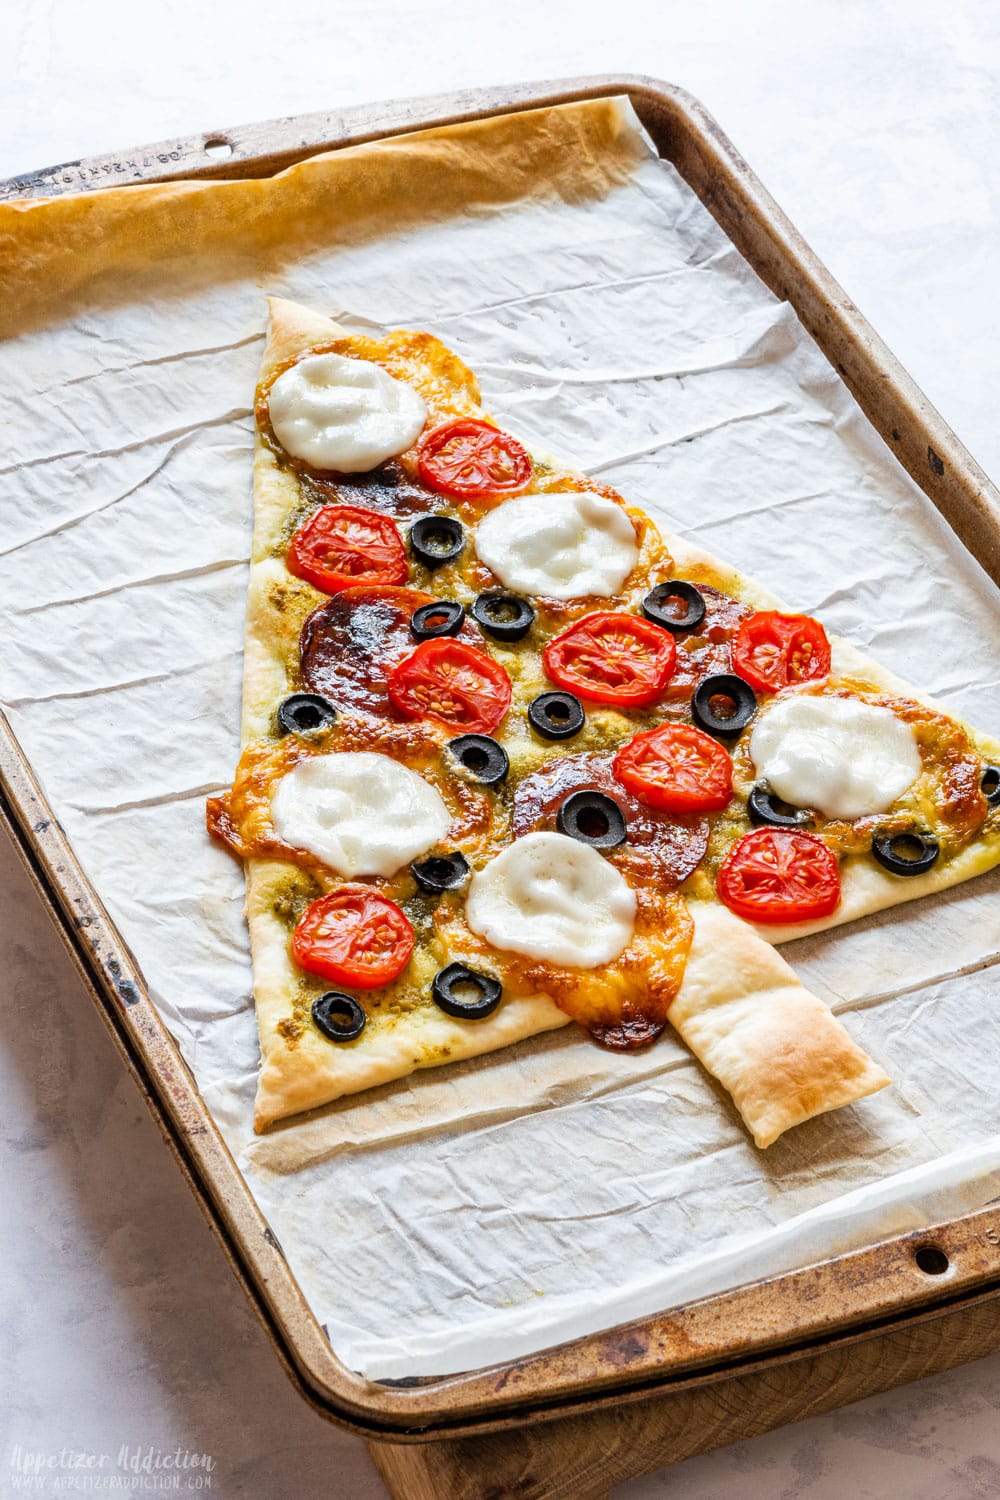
(723, 705)
(482, 757)
(305, 713)
(556, 716)
(506, 617)
(436, 540)
(466, 993)
(990, 785)
(764, 807)
(675, 605)
(440, 872)
(909, 853)
(442, 617)
(339, 1017)
(593, 818)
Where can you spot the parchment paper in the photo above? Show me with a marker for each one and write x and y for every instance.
(482, 1211)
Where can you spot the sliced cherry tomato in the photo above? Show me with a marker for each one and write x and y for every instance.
(677, 769)
(472, 460)
(773, 651)
(354, 936)
(779, 875)
(343, 546)
(612, 658)
(451, 682)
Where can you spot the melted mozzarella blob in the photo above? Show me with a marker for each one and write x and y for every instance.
(841, 756)
(344, 414)
(550, 897)
(564, 545)
(361, 813)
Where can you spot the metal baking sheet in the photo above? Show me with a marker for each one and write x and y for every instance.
(686, 135)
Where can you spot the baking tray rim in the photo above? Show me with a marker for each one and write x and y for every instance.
(870, 1291)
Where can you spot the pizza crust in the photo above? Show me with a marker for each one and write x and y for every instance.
(291, 329)
(774, 1046)
(777, 1050)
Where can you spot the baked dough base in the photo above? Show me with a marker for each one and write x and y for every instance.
(775, 1047)
(778, 1050)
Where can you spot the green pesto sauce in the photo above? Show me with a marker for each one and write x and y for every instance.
(295, 892)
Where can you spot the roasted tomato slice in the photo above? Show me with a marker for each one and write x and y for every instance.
(452, 683)
(612, 658)
(779, 875)
(343, 546)
(774, 651)
(353, 936)
(472, 460)
(677, 769)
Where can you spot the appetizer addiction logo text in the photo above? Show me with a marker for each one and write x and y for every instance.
(132, 1470)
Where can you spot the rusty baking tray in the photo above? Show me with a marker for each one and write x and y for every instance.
(947, 1272)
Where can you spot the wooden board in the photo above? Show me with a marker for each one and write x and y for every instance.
(582, 1458)
(576, 1419)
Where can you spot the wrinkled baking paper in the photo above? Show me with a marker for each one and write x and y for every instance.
(481, 1211)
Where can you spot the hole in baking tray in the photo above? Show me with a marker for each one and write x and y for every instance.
(218, 146)
(931, 1260)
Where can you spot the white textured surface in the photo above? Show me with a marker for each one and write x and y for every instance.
(124, 1332)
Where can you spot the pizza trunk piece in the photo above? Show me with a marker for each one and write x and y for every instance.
(773, 1046)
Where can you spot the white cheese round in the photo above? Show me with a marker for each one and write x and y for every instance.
(550, 897)
(841, 756)
(564, 545)
(344, 414)
(361, 813)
